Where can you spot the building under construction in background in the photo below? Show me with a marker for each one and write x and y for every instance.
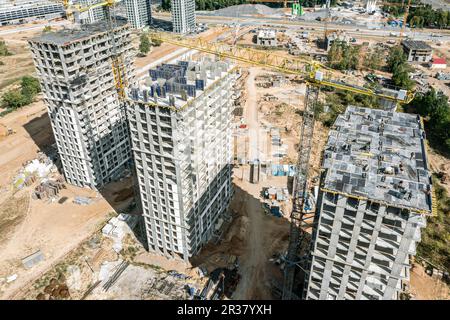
(180, 124)
(21, 11)
(183, 16)
(88, 119)
(375, 195)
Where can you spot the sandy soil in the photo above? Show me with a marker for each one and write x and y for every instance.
(262, 236)
(20, 63)
(70, 223)
(440, 163)
(424, 287)
(165, 48)
(32, 127)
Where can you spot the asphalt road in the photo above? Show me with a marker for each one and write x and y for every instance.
(351, 29)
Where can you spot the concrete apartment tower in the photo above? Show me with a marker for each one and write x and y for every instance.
(87, 118)
(375, 195)
(180, 124)
(183, 16)
(92, 15)
(139, 13)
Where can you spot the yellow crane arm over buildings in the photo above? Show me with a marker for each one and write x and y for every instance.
(314, 72)
(316, 75)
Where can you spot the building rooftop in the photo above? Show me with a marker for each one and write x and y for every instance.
(66, 36)
(174, 85)
(271, 34)
(416, 45)
(379, 155)
(438, 60)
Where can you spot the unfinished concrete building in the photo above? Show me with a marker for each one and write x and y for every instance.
(267, 38)
(333, 36)
(88, 120)
(375, 194)
(139, 13)
(180, 123)
(417, 51)
(92, 15)
(22, 11)
(183, 16)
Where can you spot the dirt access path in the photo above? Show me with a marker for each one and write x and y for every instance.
(262, 236)
(257, 144)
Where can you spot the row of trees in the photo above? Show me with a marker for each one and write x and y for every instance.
(422, 15)
(397, 63)
(435, 109)
(145, 44)
(426, 16)
(19, 97)
(343, 56)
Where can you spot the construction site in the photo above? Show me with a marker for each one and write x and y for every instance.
(232, 160)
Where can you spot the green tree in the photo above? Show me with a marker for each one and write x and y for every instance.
(165, 5)
(343, 56)
(396, 57)
(156, 42)
(374, 59)
(4, 49)
(434, 107)
(30, 86)
(47, 29)
(400, 77)
(144, 45)
(13, 99)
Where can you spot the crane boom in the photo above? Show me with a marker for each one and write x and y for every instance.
(311, 70)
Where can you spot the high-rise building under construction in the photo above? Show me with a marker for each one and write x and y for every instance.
(74, 67)
(139, 13)
(183, 16)
(180, 124)
(375, 195)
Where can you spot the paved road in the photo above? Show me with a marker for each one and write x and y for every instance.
(351, 29)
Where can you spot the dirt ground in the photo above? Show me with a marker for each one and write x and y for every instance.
(440, 163)
(29, 231)
(32, 127)
(20, 63)
(424, 287)
(166, 48)
(262, 236)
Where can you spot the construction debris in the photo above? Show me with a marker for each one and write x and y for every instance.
(48, 188)
(82, 200)
(33, 259)
(41, 168)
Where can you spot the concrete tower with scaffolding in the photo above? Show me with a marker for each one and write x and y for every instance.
(180, 123)
(88, 120)
(139, 13)
(183, 16)
(375, 195)
(92, 15)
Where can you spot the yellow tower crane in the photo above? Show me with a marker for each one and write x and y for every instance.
(316, 76)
